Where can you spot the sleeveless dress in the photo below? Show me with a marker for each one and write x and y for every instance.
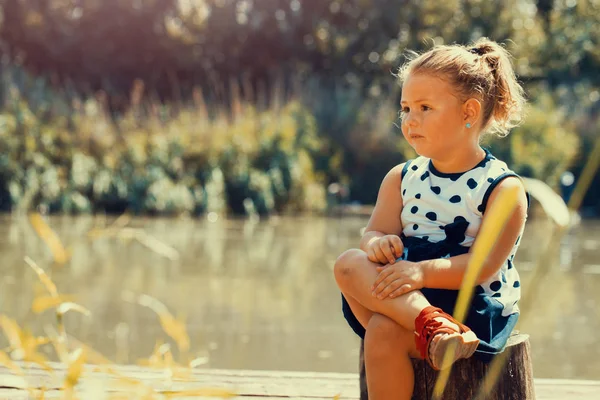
(441, 216)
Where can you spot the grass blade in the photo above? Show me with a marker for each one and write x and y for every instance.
(543, 264)
(50, 286)
(498, 215)
(49, 237)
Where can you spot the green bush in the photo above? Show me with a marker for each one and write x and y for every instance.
(71, 156)
(252, 162)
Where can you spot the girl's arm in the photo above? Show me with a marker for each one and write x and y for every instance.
(385, 219)
(448, 273)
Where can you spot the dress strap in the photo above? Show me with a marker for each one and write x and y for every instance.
(405, 168)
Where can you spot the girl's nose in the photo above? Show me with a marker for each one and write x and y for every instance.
(410, 120)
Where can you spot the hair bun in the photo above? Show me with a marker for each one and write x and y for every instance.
(476, 50)
(483, 48)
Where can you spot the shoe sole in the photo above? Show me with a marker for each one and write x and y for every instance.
(465, 345)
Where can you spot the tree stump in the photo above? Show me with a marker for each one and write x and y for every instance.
(514, 383)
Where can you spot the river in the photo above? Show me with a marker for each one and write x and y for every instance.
(261, 294)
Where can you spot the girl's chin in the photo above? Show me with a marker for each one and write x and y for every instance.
(421, 149)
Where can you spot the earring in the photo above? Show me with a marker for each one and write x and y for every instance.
(468, 125)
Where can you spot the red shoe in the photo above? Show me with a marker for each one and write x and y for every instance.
(433, 338)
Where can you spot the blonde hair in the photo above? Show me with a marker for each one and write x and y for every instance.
(482, 70)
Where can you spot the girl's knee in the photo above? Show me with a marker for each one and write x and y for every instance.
(345, 264)
(385, 337)
(384, 328)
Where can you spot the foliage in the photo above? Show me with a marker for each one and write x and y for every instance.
(107, 44)
(251, 163)
(186, 61)
(543, 146)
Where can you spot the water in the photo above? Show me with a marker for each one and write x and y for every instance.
(261, 295)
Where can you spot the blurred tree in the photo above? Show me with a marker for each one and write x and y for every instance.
(338, 55)
(571, 51)
(170, 44)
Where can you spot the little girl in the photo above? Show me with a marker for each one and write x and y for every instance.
(401, 286)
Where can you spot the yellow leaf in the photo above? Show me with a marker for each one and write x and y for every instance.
(49, 237)
(50, 286)
(23, 343)
(172, 327)
(551, 202)
(42, 303)
(12, 331)
(586, 177)
(156, 358)
(498, 215)
(176, 330)
(8, 363)
(74, 370)
(66, 307)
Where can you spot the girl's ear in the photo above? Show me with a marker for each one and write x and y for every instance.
(471, 111)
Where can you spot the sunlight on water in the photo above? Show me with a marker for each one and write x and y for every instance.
(261, 295)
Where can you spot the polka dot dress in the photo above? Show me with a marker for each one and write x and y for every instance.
(441, 216)
(450, 207)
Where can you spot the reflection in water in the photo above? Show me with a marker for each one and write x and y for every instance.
(261, 295)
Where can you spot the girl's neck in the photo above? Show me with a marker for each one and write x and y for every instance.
(458, 162)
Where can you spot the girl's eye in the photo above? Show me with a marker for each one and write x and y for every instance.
(403, 113)
(425, 108)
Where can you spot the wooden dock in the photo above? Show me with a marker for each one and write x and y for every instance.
(238, 383)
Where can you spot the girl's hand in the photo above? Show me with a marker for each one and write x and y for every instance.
(397, 279)
(385, 249)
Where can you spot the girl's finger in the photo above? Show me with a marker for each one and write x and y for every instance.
(387, 250)
(385, 282)
(371, 255)
(381, 277)
(380, 256)
(397, 245)
(401, 290)
(389, 288)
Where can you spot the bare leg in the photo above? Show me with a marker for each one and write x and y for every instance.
(388, 350)
(389, 341)
(355, 275)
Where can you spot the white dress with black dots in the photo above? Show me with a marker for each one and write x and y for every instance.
(441, 216)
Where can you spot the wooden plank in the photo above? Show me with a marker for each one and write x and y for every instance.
(555, 389)
(11, 394)
(245, 383)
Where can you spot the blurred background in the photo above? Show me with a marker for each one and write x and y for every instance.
(218, 155)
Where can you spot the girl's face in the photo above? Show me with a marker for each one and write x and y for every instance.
(433, 119)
